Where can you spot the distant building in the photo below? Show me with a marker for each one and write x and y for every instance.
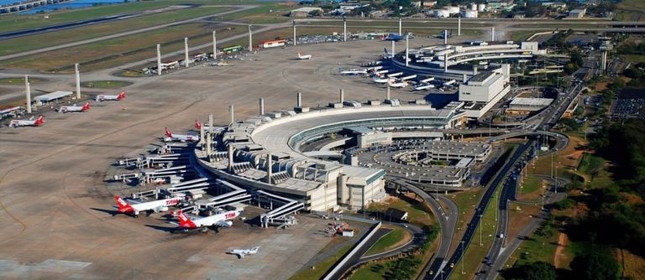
(557, 5)
(499, 4)
(523, 106)
(577, 13)
(483, 90)
(304, 11)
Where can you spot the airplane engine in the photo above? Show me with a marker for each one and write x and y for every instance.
(228, 224)
(162, 209)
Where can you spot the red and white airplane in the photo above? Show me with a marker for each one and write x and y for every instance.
(105, 97)
(31, 122)
(214, 221)
(152, 206)
(179, 137)
(74, 108)
(304, 57)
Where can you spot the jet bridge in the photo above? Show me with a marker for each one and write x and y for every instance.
(290, 206)
(235, 195)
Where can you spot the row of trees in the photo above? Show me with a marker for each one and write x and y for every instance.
(597, 264)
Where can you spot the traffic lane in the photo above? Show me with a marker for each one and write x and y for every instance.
(356, 257)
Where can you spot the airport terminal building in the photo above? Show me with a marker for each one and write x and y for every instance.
(263, 152)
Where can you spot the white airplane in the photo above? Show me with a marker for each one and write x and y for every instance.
(380, 80)
(304, 57)
(31, 122)
(354, 72)
(395, 84)
(214, 221)
(179, 137)
(152, 206)
(243, 252)
(105, 97)
(448, 83)
(74, 108)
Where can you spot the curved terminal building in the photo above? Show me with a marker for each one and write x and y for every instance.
(264, 152)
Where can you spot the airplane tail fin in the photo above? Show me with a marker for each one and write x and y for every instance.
(121, 203)
(168, 132)
(184, 221)
(40, 120)
(86, 107)
(198, 125)
(121, 95)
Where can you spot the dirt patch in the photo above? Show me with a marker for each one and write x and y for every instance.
(519, 218)
(563, 239)
(633, 266)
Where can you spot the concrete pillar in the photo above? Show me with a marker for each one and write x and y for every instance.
(299, 100)
(214, 44)
(344, 29)
(158, 59)
(295, 38)
(186, 58)
(231, 109)
(459, 26)
(201, 132)
(250, 39)
(261, 106)
(342, 95)
(210, 124)
(400, 26)
(445, 36)
(492, 33)
(393, 49)
(407, 51)
(269, 170)
(465, 78)
(28, 94)
(474, 71)
(230, 158)
(603, 63)
(445, 62)
(78, 81)
(387, 94)
(209, 150)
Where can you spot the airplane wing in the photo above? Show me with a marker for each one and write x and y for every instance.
(223, 223)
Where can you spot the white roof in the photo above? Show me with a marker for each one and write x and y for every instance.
(53, 96)
(531, 101)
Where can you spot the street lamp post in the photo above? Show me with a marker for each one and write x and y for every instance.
(481, 226)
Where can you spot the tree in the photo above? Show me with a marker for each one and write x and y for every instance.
(533, 271)
(596, 265)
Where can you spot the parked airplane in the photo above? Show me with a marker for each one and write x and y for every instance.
(304, 57)
(449, 83)
(105, 97)
(354, 72)
(243, 252)
(30, 122)
(179, 137)
(214, 221)
(151, 206)
(396, 84)
(380, 80)
(394, 37)
(74, 108)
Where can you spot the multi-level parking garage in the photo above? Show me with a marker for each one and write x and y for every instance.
(263, 152)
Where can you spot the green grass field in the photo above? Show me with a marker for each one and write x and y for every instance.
(21, 81)
(387, 241)
(475, 251)
(322, 267)
(416, 214)
(105, 84)
(630, 10)
(530, 185)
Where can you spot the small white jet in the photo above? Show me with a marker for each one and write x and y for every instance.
(105, 97)
(380, 80)
(304, 57)
(243, 252)
(74, 108)
(31, 122)
(169, 137)
(354, 72)
(152, 206)
(214, 221)
(395, 84)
